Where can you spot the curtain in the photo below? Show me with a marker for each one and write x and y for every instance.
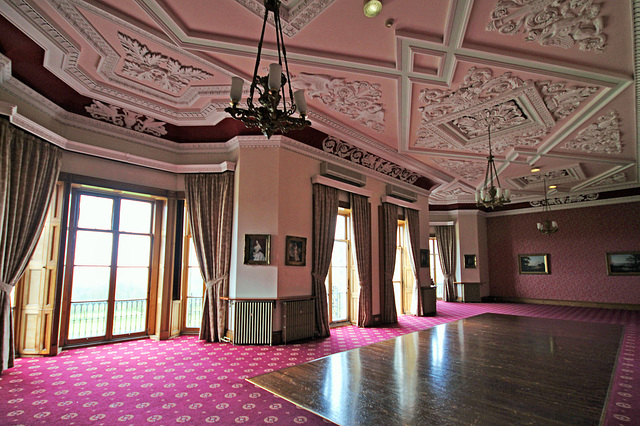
(210, 204)
(389, 245)
(325, 217)
(413, 226)
(361, 214)
(29, 168)
(446, 240)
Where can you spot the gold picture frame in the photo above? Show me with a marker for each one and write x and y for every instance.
(623, 263)
(533, 264)
(295, 251)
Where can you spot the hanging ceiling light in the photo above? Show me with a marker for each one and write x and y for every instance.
(490, 195)
(547, 226)
(372, 8)
(275, 113)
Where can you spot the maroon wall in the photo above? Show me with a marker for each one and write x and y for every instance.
(576, 254)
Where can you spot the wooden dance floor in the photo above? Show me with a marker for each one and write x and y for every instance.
(489, 369)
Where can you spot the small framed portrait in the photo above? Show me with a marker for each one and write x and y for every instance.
(533, 263)
(424, 258)
(470, 261)
(296, 251)
(257, 249)
(623, 263)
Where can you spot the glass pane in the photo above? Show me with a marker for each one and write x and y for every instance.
(95, 212)
(90, 283)
(134, 250)
(194, 312)
(339, 255)
(135, 216)
(397, 270)
(193, 258)
(339, 279)
(195, 286)
(132, 283)
(341, 228)
(129, 316)
(87, 319)
(93, 248)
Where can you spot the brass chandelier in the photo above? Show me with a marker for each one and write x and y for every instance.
(491, 195)
(547, 226)
(275, 113)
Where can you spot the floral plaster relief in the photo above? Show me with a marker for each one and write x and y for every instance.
(601, 137)
(124, 118)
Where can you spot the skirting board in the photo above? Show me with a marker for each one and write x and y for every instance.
(623, 306)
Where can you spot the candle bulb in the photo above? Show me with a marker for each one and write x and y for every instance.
(301, 103)
(236, 89)
(275, 77)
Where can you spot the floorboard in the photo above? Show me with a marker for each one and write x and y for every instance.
(487, 369)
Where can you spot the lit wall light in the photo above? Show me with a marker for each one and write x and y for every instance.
(372, 8)
(535, 170)
(552, 186)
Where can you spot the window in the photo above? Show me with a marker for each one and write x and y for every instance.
(108, 266)
(403, 276)
(342, 268)
(195, 285)
(434, 267)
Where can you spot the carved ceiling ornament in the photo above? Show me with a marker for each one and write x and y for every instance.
(471, 171)
(293, 18)
(356, 155)
(359, 100)
(521, 112)
(562, 100)
(124, 118)
(559, 23)
(167, 73)
(601, 137)
(569, 199)
(616, 179)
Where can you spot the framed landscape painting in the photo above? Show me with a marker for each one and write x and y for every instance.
(623, 263)
(533, 263)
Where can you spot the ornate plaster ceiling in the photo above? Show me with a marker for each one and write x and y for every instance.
(555, 78)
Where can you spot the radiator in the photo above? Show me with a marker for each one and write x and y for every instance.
(253, 323)
(298, 319)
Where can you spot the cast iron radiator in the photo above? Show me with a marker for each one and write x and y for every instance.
(253, 323)
(298, 319)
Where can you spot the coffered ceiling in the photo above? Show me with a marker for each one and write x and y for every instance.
(414, 86)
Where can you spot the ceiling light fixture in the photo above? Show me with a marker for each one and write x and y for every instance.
(547, 226)
(372, 8)
(490, 195)
(272, 90)
(535, 170)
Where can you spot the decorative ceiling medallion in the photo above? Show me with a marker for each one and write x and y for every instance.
(359, 100)
(455, 192)
(616, 179)
(559, 23)
(356, 155)
(167, 73)
(471, 171)
(124, 118)
(601, 137)
(295, 15)
(504, 116)
(559, 176)
(562, 100)
(569, 199)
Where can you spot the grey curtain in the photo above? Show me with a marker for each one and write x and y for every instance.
(413, 226)
(210, 203)
(361, 215)
(29, 168)
(389, 245)
(325, 217)
(446, 240)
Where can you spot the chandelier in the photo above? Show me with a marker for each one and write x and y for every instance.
(275, 113)
(490, 195)
(547, 226)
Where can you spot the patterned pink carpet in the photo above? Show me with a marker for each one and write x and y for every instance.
(186, 381)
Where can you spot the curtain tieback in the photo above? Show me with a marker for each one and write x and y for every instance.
(5, 287)
(215, 282)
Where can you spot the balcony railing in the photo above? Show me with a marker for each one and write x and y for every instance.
(194, 312)
(89, 319)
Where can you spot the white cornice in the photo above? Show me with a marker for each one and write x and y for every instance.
(605, 202)
(401, 203)
(341, 185)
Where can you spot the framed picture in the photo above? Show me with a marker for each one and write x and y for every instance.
(296, 251)
(533, 263)
(424, 258)
(623, 263)
(257, 249)
(470, 261)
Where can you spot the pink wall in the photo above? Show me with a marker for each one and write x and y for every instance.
(576, 254)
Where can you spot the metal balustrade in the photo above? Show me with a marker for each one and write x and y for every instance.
(89, 319)
(194, 312)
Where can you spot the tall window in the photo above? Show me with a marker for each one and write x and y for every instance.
(434, 267)
(195, 285)
(403, 276)
(108, 266)
(342, 265)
